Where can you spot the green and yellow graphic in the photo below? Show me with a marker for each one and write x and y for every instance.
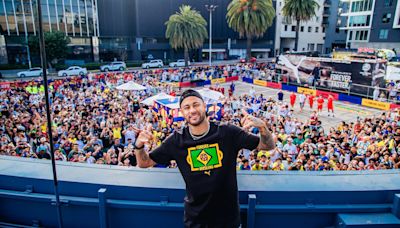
(204, 157)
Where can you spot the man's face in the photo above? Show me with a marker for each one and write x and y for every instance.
(193, 110)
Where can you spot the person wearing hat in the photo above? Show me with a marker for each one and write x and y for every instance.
(206, 153)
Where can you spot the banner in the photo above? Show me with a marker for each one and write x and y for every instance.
(218, 81)
(332, 74)
(375, 104)
(307, 91)
(274, 85)
(260, 83)
(326, 94)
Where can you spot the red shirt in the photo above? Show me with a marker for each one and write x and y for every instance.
(320, 101)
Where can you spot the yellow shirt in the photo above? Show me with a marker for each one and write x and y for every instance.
(117, 133)
(254, 167)
(263, 152)
(277, 167)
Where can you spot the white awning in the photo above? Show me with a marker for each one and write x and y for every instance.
(261, 49)
(214, 50)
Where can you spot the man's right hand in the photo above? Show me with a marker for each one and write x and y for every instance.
(143, 138)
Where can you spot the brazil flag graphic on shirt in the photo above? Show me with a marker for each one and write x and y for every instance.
(204, 157)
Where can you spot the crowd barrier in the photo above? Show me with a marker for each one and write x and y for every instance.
(337, 96)
(208, 82)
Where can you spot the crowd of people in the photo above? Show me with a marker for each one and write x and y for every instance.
(95, 123)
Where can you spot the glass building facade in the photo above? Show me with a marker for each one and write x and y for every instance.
(19, 20)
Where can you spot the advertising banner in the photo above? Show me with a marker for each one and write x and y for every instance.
(218, 81)
(332, 74)
(307, 91)
(375, 104)
(260, 82)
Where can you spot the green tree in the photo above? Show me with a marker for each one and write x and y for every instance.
(299, 10)
(250, 18)
(186, 29)
(56, 45)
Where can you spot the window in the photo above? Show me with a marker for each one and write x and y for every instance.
(311, 47)
(316, 29)
(323, 29)
(302, 28)
(386, 17)
(383, 34)
(388, 3)
(309, 28)
(293, 28)
(358, 21)
(316, 18)
(285, 27)
(351, 35)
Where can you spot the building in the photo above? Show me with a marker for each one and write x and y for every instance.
(19, 20)
(104, 30)
(372, 23)
(333, 21)
(311, 33)
(139, 31)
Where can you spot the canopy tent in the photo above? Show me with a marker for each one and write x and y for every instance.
(209, 94)
(170, 107)
(130, 86)
(150, 101)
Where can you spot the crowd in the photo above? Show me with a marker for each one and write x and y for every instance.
(95, 123)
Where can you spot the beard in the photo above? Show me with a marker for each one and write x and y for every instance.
(201, 118)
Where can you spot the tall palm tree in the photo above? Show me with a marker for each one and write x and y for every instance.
(300, 10)
(186, 29)
(250, 18)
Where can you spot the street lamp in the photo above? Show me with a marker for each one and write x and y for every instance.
(210, 8)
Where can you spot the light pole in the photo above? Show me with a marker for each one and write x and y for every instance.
(210, 9)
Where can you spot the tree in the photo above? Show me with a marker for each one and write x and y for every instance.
(299, 10)
(56, 45)
(250, 18)
(186, 29)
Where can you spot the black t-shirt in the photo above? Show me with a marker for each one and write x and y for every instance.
(208, 166)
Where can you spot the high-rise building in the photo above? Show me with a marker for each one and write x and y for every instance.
(19, 20)
(311, 33)
(372, 23)
(333, 21)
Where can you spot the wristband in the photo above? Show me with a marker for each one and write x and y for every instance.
(139, 148)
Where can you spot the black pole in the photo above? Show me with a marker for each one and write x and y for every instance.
(48, 114)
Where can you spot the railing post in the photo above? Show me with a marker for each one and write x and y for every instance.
(102, 207)
(251, 211)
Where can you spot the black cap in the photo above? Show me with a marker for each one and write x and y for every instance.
(189, 93)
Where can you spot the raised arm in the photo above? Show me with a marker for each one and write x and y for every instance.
(143, 158)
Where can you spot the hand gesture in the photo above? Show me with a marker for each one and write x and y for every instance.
(251, 121)
(145, 137)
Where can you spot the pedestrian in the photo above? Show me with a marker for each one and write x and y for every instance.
(330, 106)
(320, 103)
(280, 96)
(302, 100)
(206, 154)
(311, 99)
(292, 99)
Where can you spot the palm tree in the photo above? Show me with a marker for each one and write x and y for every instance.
(300, 10)
(186, 29)
(250, 18)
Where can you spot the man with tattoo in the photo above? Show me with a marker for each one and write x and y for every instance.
(206, 155)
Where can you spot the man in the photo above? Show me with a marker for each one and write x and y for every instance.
(206, 155)
(320, 102)
(316, 74)
(330, 106)
(302, 99)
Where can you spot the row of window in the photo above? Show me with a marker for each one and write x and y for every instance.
(311, 47)
(302, 29)
(75, 17)
(361, 35)
(360, 6)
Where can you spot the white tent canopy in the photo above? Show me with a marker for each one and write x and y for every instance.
(130, 86)
(150, 100)
(210, 94)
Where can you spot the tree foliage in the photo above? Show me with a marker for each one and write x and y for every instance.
(250, 18)
(186, 29)
(55, 44)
